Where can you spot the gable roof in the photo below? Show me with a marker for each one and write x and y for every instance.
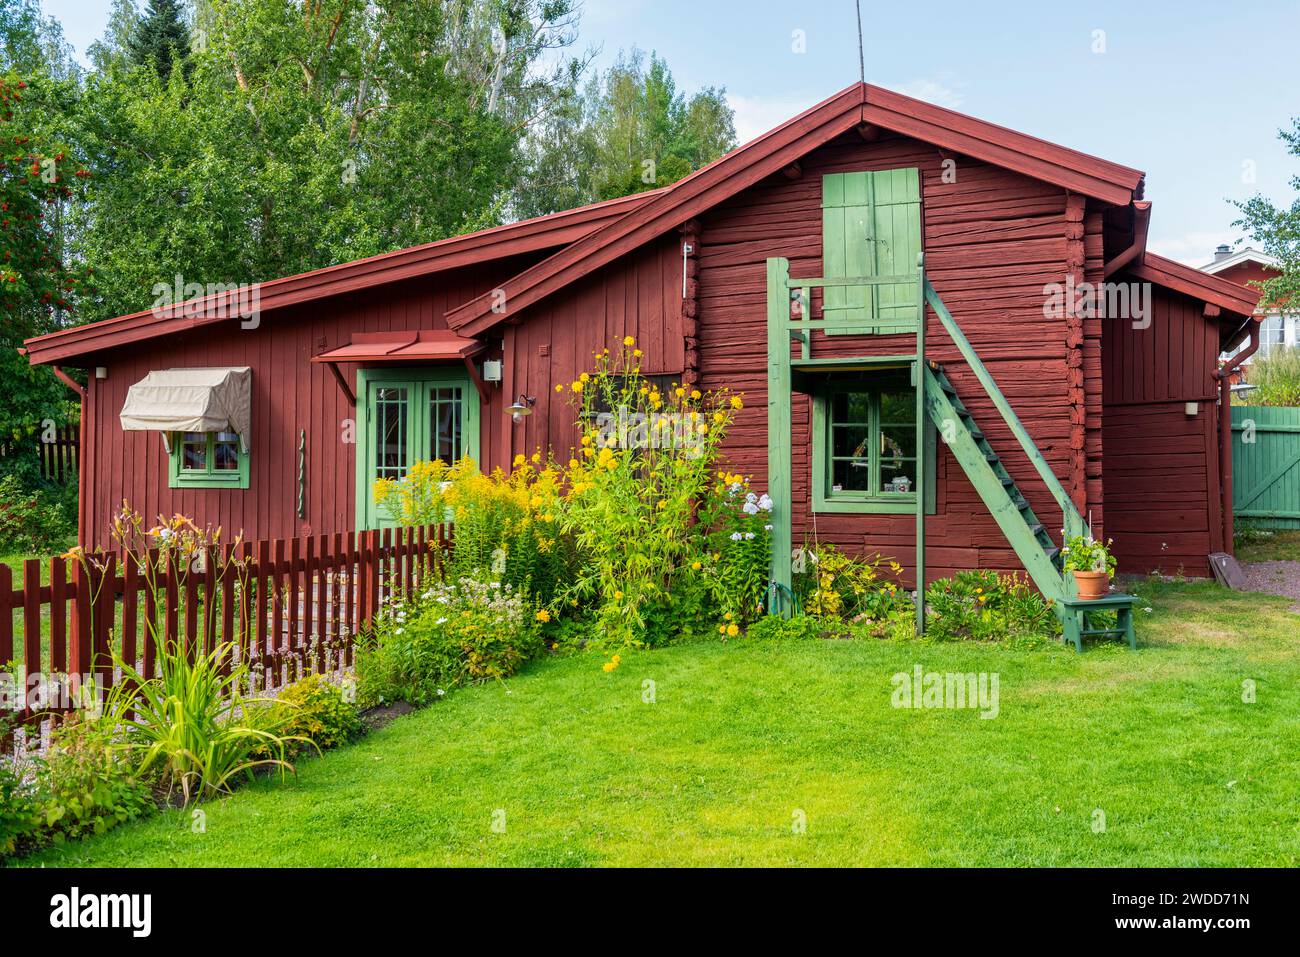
(725, 177)
(1227, 295)
(1248, 254)
(512, 239)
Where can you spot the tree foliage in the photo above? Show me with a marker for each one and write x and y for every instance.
(1277, 230)
(160, 39)
(630, 131)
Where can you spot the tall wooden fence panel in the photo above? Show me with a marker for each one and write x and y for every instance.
(1266, 465)
(288, 608)
(58, 456)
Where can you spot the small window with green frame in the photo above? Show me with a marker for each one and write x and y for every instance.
(864, 446)
(208, 460)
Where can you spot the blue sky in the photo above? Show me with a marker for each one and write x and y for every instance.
(1192, 92)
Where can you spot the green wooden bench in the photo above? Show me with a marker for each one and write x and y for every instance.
(1077, 626)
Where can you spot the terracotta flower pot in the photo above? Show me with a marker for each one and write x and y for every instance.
(1092, 585)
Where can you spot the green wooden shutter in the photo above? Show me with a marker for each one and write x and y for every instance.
(871, 226)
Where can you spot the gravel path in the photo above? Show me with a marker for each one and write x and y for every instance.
(1276, 578)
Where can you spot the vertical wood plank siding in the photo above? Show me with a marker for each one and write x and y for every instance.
(1161, 478)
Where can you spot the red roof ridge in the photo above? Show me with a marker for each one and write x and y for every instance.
(1215, 290)
(765, 155)
(526, 235)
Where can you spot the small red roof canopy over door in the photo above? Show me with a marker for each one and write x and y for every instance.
(424, 345)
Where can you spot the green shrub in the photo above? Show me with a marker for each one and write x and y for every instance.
(192, 728)
(317, 710)
(986, 606)
(34, 519)
(1276, 378)
(85, 783)
(19, 815)
(830, 584)
(453, 634)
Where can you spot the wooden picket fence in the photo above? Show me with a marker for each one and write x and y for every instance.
(288, 607)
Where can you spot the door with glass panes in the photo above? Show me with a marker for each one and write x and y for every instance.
(406, 416)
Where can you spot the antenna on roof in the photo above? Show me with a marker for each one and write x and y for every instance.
(862, 64)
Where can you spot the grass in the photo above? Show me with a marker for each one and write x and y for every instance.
(1281, 545)
(746, 736)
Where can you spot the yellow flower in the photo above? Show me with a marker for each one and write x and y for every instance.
(519, 460)
(732, 630)
(573, 463)
(696, 394)
(585, 377)
(736, 403)
(559, 387)
(609, 666)
(718, 417)
(629, 341)
(680, 392)
(537, 457)
(637, 353)
(543, 615)
(722, 629)
(576, 386)
(696, 565)
(618, 596)
(662, 504)
(588, 453)
(728, 616)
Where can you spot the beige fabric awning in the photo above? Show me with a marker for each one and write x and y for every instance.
(192, 400)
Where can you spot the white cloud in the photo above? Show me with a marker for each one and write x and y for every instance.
(941, 90)
(755, 115)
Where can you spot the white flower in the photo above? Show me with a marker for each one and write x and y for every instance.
(736, 536)
(765, 502)
(441, 621)
(750, 508)
(748, 536)
(767, 528)
(441, 692)
(751, 497)
(400, 630)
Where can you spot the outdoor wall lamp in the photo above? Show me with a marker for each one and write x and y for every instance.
(523, 406)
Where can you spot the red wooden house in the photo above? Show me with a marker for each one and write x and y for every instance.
(1062, 373)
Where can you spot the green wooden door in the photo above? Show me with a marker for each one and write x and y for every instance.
(1266, 465)
(406, 416)
(871, 226)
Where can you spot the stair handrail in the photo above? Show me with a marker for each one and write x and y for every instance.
(1072, 520)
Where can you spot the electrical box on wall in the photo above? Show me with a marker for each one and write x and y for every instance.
(492, 370)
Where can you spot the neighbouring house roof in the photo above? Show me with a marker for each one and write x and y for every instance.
(530, 235)
(1228, 296)
(1241, 256)
(860, 105)
(423, 345)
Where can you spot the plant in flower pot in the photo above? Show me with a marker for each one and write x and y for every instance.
(1091, 563)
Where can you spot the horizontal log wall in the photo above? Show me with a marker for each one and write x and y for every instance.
(993, 239)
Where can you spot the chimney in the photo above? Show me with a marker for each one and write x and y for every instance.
(1222, 252)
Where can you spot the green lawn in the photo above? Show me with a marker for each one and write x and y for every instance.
(1281, 546)
(746, 736)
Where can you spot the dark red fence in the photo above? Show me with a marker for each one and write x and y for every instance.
(288, 607)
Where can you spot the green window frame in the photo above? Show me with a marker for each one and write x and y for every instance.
(204, 460)
(847, 434)
(405, 404)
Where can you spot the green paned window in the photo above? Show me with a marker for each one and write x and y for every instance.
(864, 448)
(208, 460)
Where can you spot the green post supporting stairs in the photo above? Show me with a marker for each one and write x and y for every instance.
(937, 398)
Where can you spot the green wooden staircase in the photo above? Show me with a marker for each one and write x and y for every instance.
(789, 313)
(1007, 503)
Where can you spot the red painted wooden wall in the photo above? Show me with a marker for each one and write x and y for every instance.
(1162, 480)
